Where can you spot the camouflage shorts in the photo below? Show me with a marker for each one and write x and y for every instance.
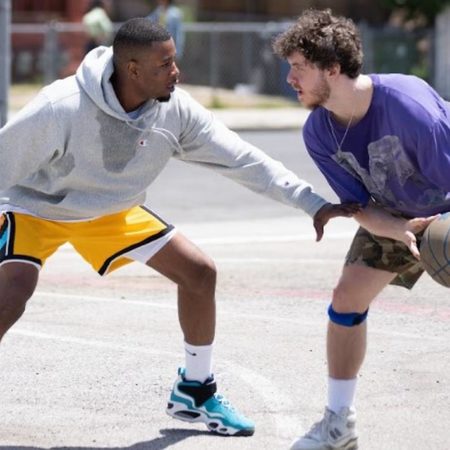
(385, 254)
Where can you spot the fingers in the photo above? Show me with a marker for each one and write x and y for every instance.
(425, 221)
(420, 223)
(329, 211)
(414, 250)
(345, 213)
(319, 231)
(411, 243)
(346, 209)
(351, 208)
(432, 218)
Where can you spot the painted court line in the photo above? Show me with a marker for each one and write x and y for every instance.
(286, 425)
(305, 322)
(92, 343)
(264, 239)
(90, 298)
(278, 260)
(239, 239)
(273, 398)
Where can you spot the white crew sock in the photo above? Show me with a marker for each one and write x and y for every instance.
(341, 393)
(198, 362)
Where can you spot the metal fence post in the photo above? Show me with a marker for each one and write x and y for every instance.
(247, 57)
(367, 39)
(5, 58)
(214, 65)
(51, 58)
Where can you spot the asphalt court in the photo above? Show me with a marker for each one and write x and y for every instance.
(91, 363)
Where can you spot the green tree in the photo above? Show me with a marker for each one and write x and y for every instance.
(427, 9)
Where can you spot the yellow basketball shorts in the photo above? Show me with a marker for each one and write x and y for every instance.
(106, 243)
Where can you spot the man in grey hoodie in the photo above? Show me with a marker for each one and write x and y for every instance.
(76, 163)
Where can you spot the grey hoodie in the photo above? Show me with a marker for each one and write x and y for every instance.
(73, 153)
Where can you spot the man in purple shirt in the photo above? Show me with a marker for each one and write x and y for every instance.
(382, 141)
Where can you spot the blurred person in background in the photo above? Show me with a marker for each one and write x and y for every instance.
(171, 17)
(98, 25)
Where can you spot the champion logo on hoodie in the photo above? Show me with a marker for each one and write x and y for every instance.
(143, 143)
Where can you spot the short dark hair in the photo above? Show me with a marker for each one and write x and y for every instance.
(137, 34)
(324, 40)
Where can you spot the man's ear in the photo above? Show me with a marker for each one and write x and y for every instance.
(334, 71)
(133, 68)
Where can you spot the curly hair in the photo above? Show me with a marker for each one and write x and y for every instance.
(324, 40)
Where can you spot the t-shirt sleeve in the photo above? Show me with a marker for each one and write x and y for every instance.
(434, 156)
(321, 149)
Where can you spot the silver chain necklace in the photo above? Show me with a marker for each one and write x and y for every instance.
(333, 133)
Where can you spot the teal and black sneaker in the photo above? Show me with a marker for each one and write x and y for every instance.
(193, 401)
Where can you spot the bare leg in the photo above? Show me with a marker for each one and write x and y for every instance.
(195, 274)
(346, 346)
(17, 284)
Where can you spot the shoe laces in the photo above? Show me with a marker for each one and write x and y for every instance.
(320, 427)
(223, 401)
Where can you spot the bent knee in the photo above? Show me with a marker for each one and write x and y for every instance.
(203, 275)
(206, 273)
(346, 299)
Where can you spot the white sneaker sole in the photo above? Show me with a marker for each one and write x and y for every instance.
(179, 411)
(350, 445)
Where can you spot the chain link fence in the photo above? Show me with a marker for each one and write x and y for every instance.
(226, 55)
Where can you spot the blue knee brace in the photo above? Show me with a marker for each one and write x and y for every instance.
(347, 319)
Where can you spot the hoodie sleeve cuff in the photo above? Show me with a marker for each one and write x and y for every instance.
(310, 202)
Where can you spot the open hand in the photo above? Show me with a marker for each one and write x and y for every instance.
(411, 228)
(329, 211)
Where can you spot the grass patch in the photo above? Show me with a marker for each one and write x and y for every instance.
(215, 98)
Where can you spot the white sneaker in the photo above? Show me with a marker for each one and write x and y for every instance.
(333, 432)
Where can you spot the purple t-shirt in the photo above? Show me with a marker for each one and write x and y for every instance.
(398, 154)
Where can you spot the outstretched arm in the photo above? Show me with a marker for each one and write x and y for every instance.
(207, 142)
(380, 222)
(329, 211)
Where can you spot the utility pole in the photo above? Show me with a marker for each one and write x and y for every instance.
(5, 57)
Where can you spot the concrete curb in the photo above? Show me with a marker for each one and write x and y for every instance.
(245, 118)
(239, 119)
(262, 119)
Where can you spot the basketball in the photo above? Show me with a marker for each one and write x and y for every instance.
(435, 250)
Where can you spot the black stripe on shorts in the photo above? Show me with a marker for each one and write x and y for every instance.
(8, 232)
(106, 264)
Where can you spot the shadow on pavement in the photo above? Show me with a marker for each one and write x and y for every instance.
(169, 437)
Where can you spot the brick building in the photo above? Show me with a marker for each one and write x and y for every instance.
(38, 11)
(263, 10)
(27, 45)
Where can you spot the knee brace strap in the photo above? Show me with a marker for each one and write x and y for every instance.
(347, 319)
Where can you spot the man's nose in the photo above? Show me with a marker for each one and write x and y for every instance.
(290, 77)
(175, 71)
